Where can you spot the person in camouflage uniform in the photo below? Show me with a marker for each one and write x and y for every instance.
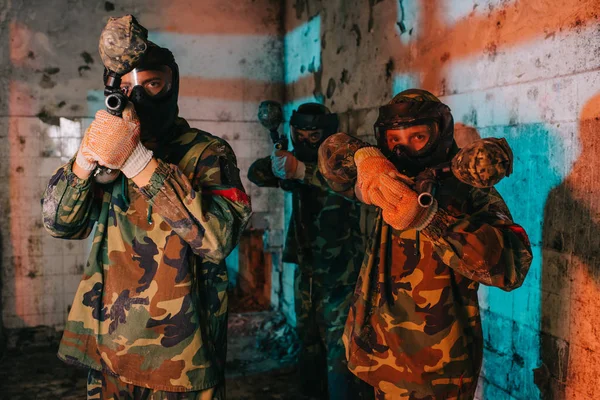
(414, 329)
(325, 240)
(149, 319)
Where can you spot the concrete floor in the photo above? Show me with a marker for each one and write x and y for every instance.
(253, 372)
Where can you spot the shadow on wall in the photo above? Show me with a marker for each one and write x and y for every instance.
(570, 321)
(2, 266)
(512, 322)
(4, 60)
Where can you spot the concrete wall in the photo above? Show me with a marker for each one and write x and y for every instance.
(229, 55)
(523, 70)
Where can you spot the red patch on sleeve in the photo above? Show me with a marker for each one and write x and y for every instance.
(520, 232)
(232, 194)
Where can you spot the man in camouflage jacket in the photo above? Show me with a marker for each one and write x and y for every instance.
(414, 329)
(325, 240)
(149, 319)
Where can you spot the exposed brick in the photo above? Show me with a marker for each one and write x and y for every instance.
(584, 365)
(573, 393)
(497, 332)
(585, 325)
(491, 391)
(556, 314)
(555, 354)
(501, 302)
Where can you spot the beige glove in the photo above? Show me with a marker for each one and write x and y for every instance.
(86, 163)
(379, 183)
(114, 142)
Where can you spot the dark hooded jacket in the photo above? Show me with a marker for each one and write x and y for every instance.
(324, 236)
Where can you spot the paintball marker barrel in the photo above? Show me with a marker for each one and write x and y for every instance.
(426, 183)
(115, 100)
(425, 199)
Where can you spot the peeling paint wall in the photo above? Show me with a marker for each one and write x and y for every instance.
(3, 203)
(523, 70)
(230, 58)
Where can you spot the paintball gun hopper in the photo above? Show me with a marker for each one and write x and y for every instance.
(270, 116)
(123, 43)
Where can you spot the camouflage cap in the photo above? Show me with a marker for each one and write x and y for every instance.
(483, 163)
(123, 42)
(336, 160)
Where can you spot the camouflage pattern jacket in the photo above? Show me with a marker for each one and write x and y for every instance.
(414, 328)
(151, 306)
(324, 236)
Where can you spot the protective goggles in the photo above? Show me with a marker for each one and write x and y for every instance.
(310, 122)
(312, 137)
(414, 139)
(156, 82)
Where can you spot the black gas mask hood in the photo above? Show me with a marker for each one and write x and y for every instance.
(157, 114)
(312, 116)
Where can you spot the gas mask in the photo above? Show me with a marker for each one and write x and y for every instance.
(310, 125)
(150, 91)
(306, 143)
(153, 88)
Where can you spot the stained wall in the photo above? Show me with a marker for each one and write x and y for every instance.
(527, 71)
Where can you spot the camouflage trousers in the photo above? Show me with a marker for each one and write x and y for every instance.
(321, 313)
(101, 386)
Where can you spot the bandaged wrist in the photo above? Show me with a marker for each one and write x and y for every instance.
(84, 163)
(137, 161)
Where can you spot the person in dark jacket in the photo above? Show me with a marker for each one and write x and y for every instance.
(325, 240)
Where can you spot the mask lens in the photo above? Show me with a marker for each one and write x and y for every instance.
(155, 82)
(311, 137)
(412, 140)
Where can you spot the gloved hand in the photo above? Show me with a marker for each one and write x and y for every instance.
(85, 162)
(114, 142)
(286, 166)
(379, 183)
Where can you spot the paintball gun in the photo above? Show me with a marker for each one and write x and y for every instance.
(271, 116)
(482, 164)
(123, 42)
